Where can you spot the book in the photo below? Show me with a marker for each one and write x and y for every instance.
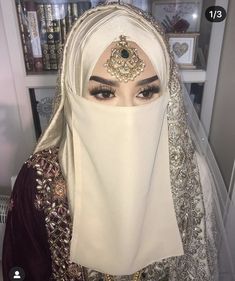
(31, 9)
(74, 12)
(58, 13)
(43, 37)
(50, 37)
(68, 18)
(25, 36)
(62, 18)
(63, 30)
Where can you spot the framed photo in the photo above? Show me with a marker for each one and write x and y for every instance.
(41, 102)
(183, 47)
(178, 16)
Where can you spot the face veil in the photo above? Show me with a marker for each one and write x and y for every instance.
(180, 160)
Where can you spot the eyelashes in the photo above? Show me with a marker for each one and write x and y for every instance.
(148, 92)
(103, 92)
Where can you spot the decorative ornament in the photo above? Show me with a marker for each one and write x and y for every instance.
(180, 49)
(74, 271)
(59, 191)
(44, 107)
(124, 62)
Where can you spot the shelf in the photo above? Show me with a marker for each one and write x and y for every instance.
(193, 75)
(49, 80)
(41, 81)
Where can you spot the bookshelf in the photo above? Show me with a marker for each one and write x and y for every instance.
(205, 72)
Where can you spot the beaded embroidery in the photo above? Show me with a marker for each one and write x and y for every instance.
(51, 198)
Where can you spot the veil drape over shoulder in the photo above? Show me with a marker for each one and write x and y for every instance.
(218, 204)
(200, 198)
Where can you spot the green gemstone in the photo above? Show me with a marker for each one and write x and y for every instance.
(125, 54)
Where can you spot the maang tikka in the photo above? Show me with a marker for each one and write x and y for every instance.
(124, 62)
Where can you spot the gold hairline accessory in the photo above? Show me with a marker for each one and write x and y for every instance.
(124, 62)
(135, 278)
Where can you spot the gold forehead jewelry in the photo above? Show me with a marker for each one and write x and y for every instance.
(124, 62)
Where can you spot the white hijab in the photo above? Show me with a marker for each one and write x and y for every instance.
(115, 159)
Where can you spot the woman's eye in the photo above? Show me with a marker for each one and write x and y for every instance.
(145, 95)
(102, 94)
(148, 93)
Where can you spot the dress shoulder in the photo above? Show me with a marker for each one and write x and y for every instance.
(25, 240)
(51, 198)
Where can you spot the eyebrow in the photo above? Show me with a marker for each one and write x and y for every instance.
(147, 80)
(104, 81)
(115, 83)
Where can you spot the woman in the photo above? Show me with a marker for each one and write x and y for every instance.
(115, 189)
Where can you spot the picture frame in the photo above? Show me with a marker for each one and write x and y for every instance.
(42, 104)
(178, 16)
(183, 46)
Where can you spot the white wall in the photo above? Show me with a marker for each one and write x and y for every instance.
(222, 132)
(11, 155)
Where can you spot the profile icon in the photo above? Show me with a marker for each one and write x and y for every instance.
(16, 273)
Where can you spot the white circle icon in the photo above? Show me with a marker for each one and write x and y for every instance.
(17, 273)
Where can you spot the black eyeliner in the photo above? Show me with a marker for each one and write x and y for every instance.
(155, 89)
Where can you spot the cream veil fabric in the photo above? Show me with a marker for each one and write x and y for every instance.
(122, 186)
